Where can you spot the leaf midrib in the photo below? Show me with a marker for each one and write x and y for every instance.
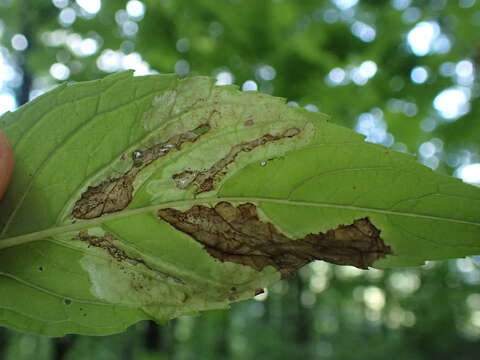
(82, 224)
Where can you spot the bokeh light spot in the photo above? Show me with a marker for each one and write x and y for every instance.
(421, 37)
(19, 42)
(249, 85)
(90, 6)
(182, 67)
(183, 45)
(401, 4)
(59, 71)
(336, 76)
(224, 78)
(363, 31)
(469, 173)
(67, 16)
(135, 9)
(419, 75)
(7, 102)
(453, 102)
(345, 4)
(60, 3)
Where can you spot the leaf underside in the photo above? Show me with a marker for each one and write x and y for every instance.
(151, 197)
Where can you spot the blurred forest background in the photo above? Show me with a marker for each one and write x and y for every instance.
(401, 72)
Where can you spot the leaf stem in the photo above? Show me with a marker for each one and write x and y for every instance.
(83, 224)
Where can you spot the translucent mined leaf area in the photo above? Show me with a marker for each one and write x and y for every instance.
(151, 197)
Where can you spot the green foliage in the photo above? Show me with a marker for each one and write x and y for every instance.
(140, 185)
(303, 41)
(439, 317)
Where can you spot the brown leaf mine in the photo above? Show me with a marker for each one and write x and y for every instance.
(115, 194)
(205, 180)
(107, 242)
(236, 234)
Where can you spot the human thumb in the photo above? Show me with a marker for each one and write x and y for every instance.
(6, 163)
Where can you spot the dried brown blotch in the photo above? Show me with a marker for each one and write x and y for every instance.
(106, 242)
(115, 194)
(108, 197)
(205, 180)
(236, 234)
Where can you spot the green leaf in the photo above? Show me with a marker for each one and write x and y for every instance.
(152, 197)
